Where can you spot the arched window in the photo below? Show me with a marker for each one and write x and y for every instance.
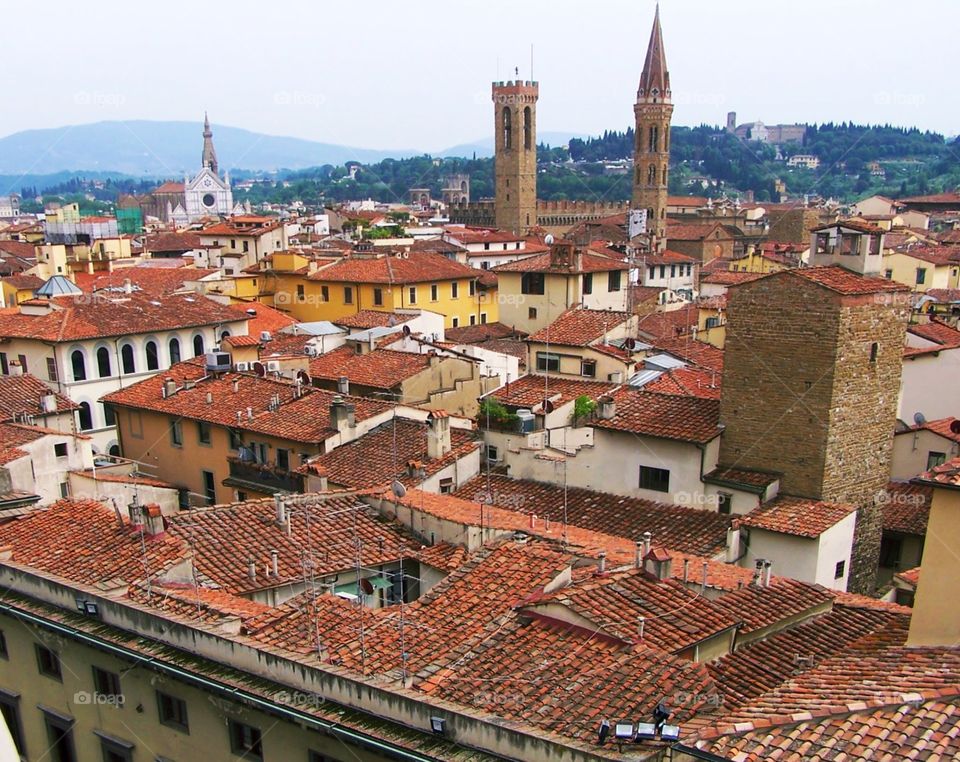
(127, 360)
(109, 417)
(86, 417)
(79, 365)
(103, 363)
(638, 174)
(507, 128)
(651, 175)
(463, 186)
(197, 346)
(224, 335)
(115, 451)
(174, 351)
(664, 181)
(153, 355)
(527, 128)
(653, 143)
(666, 140)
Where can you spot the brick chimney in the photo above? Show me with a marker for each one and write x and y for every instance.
(438, 434)
(154, 520)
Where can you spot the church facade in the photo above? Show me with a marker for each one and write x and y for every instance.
(206, 194)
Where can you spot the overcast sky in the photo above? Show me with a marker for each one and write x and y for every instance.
(417, 74)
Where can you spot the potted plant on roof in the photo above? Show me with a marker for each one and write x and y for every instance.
(583, 409)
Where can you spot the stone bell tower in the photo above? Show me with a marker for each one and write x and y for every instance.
(515, 158)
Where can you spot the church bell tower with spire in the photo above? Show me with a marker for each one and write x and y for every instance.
(651, 157)
(209, 159)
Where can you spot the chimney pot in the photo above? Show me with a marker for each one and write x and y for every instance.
(638, 556)
(274, 563)
(602, 562)
(647, 542)
(252, 569)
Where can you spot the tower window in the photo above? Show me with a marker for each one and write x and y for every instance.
(664, 181)
(874, 349)
(527, 128)
(653, 143)
(651, 175)
(507, 128)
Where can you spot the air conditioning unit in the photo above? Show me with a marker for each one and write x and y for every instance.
(273, 366)
(310, 350)
(242, 367)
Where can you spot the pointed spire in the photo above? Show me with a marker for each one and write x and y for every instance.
(209, 158)
(655, 75)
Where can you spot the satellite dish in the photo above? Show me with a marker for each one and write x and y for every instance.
(260, 369)
(919, 419)
(547, 407)
(398, 489)
(304, 377)
(630, 343)
(366, 586)
(406, 330)
(548, 239)
(955, 426)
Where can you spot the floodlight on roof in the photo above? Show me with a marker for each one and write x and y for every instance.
(670, 732)
(646, 731)
(438, 725)
(603, 732)
(623, 731)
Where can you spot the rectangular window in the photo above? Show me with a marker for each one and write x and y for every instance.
(348, 295)
(663, 271)
(4, 365)
(173, 712)
(64, 489)
(378, 297)
(246, 246)
(839, 569)
(888, 274)
(412, 295)
(921, 276)
(454, 290)
(455, 322)
(136, 424)
(23, 363)
(673, 271)
(324, 293)
(10, 710)
(283, 458)
(473, 320)
(60, 737)
(60, 449)
(245, 740)
(890, 548)
(548, 362)
(106, 683)
(473, 288)
(48, 663)
(209, 487)
(434, 292)
(724, 502)
(236, 442)
(51, 369)
(176, 433)
(446, 485)
(532, 313)
(613, 281)
(656, 479)
(588, 368)
(3, 646)
(483, 318)
(532, 283)
(203, 432)
(301, 292)
(588, 283)
(114, 749)
(935, 459)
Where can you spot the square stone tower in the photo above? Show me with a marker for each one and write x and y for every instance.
(515, 156)
(811, 382)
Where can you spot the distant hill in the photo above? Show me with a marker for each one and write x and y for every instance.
(165, 149)
(484, 148)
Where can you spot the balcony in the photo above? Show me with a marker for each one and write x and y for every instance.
(261, 477)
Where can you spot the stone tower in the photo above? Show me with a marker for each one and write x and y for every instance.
(209, 159)
(651, 156)
(811, 380)
(515, 159)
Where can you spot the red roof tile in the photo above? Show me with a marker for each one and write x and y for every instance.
(937, 332)
(692, 351)
(380, 369)
(845, 281)
(578, 327)
(695, 382)
(372, 319)
(784, 599)
(802, 517)
(419, 267)
(531, 390)
(667, 416)
(262, 317)
(151, 280)
(550, 263)
(22, 394)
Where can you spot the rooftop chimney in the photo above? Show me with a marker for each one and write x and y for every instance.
(252, 569)
(154, 519)
(274, 563)
(16, 369)
(281, 509)
(169, 387)
(602, 562)
(758, 573)
(236, 385)
(608, 407)
(647, 543)
(342, 414)
(343, 385)
(767, 564)
(638, 556)
(136, 515)
(438, 434)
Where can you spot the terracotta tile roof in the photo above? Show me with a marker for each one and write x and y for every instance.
(717, 264)
(168, 241)
(23, 281)
(762, 607)
(81, 540)
(22, 394)
(151, 280)
(531, 390)
(196, 602)
(263, 317)
(169, 187)
(666, 257)
(382, 455)
(235, 228)
(330, 528)
(760, 666)
(937, 332)
(102, 475)
(547, 263)
(477, 334)
(690, 231)
(758, 480)
(242, 341)
(689, 530)
(578, 327)
(18, 249)
(694, 382)
(945, 475)
(675, 618)
(729, 278)
(692, 351)
(418, 267)
(845, 281)
(691, 201)
(467, 235)
(667, 416)
(858, 224)
(944, 295)
(372, 319)
(934, 255)
(298, 419)
(72, 319)
(934, 198)
(798, 516)
(380, 369)
(444, 556)
(13, 436)
(670, 324)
